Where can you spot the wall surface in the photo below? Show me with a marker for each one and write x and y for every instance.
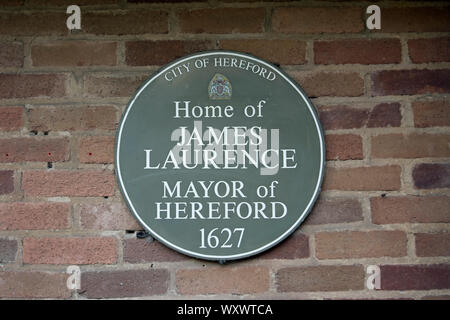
(382, 96)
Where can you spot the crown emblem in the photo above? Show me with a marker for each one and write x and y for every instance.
(219, 87)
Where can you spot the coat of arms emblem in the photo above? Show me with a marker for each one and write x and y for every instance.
(219, 87)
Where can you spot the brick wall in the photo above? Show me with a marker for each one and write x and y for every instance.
(382, 96)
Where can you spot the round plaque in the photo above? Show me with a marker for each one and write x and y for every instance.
(220, 155)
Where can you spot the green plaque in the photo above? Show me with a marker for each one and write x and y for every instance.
(220, 155)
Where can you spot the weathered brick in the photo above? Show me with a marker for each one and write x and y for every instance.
(414, 145)
(346, 117)
(68, 183)
(415, 277)
(107, 216)
(124, 283)
(429, 50)
(8, 251)
(141, 251)
(32, 85)
(407, 82)
(317, 20)
(33, 284)
(34, 216)
(361, 51)
(142, 21)
(37, 23)
(432, 244)
(222, 20)
(93, 250)
(112, 86)
(142, 53)
(72, 118)
(74, 54)
(415, 19)
(431, 175)
(96, 149)
(11, 118)
(363, 178)
(316, 84)
(11, 54)
(320, 278)
(34, 149)
(294, 51)
(343, 146)
(385, 115)
(335, 211)
(410, 209)
(294, 247)
(6, 181)
(360, 244)
(431, 113)
(233, 280)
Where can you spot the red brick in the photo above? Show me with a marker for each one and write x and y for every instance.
(11, 118)
(74, 54)
(33, 284)
(142, 251)
(415, 277)
(431, 175)
(317, 20)
(431, 113)
(347, 117)
(320, 278)
(6, 181)
(72, 118)
(363, 178)
(99, 250)
(415, 19)
(343, 146)
(361, 51)
(34, 149)
(8, 251)
(327, 211)
(432, 244)
(414, 145)
(294, 247)
(96, 149)
(68, 183)
(142, 21)
(410, 209)
(318, 84)
(37, 23)
(385, 115)
(124, 283)
(107, 216)
(214, 280)
(360, 244)
(294, 51)
(34, 216)
(429, 50)
(404, 82)
(222, 20)
(32, 85)
(342, 117)
(11, 54)
(142, 53)
(112, 86)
